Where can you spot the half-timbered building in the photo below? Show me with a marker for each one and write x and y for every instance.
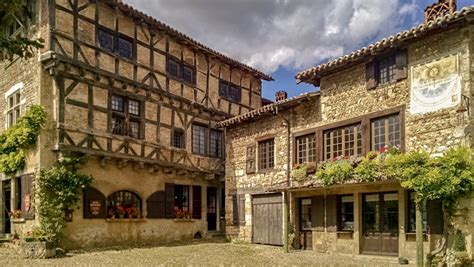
(410, 90)
(140, 101)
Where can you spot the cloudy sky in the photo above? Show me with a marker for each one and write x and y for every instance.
(282, 37)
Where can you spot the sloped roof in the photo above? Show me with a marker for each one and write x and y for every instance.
(131, 11)
(273, 107)
(313, 75)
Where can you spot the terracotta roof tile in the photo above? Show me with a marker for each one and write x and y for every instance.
(265, 109)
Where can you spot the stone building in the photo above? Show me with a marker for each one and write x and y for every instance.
(140, 101)
(411, 90)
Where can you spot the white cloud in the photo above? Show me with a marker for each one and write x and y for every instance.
(268, 34)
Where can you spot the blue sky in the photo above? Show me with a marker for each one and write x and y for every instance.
(283, 37)
(284, 77)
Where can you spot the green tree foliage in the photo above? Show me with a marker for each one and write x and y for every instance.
(58, 190)
(446, 178)
(20, 137)
(16, 11)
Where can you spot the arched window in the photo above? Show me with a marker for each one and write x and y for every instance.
(124, 204)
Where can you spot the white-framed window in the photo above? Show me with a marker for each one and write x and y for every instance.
(13, 105)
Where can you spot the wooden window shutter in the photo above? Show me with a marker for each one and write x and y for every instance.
(434, 217)
(155, 205)
(250, 162)
(169, 201)
(94, 206)
(401, 68)
(331, 213)
(197, 202)
(317, 213)
(371, 75)
(241, 209)
(235, 210)
(27, 197)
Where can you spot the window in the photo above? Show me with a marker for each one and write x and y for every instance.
(216, 146)
(181, 198)
(344, 141)
(207, 142)
(179, 70)
(385, 132)
(390, 68)
(178, 138)
(126, 116)
(230, 91)
(266, 154)
(346, 213)
(305, 214)
(411, 225)
(124, 204)
(13, 110)
(120, 45)
(386, 69)
(305, 149)
(199, 139)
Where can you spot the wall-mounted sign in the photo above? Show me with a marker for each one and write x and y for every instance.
(435, 85)
(27, 201)
(95, 206)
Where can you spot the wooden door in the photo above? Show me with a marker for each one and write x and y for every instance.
(211, 208)
(380, 224)
(267, 219)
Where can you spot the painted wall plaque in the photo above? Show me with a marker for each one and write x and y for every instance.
(95, 206)
(435, 85)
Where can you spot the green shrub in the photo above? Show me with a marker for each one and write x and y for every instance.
(335, 172)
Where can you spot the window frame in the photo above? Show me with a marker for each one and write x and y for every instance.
(205, 141)
(227, 93)
(387, 133)
(340, 213)
(307, 158)
(386, 66)
(13, 112)
(127, 117)
(183, 204)
(181, 65)
(219, 143)
(302, 214)
(329, 135)
(117, 36)
(182, 138)
(269, 155)
(132, 195)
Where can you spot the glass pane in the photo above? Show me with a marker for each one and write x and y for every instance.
(390, 213)
(117, 103)
(123, 204)
(371, 213)
(305, 209)
(134, 107)
(134, 129)
(188, 75)
(118, 125)
(106, 40)
(173, 68)
(124, 48)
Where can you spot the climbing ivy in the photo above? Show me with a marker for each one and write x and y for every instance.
(16, 140)
(58, 190)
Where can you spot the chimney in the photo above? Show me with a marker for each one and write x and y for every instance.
(280, 96)
(440, 9)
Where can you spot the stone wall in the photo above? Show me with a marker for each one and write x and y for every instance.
(90, 233)
(344, 96)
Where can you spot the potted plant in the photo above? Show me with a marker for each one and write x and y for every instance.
(311, 167)
(16, 216)
(121, 211)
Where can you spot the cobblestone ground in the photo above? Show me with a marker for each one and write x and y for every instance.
(200, 253)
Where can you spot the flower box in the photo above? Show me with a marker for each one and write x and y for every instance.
(38, 250)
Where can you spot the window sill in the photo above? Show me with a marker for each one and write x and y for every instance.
(125, 220)
(18, 220)
(183, 220)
